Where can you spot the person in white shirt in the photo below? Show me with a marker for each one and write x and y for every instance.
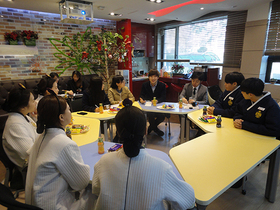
(57, 177)
(131, 178)
(20, 130)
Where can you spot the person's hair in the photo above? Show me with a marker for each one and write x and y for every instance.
(44, 84)
(79, 81)
(53, 75)
(131, 127)
(49, 109)
(97, 95)
(197, 75)
(18, 98)
(116, 79)
(153, 72)
(252, 85)
(234, 77)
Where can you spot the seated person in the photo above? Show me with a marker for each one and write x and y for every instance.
(131, 178)
(228, 101)
(194, 91)
(42, 87)
(56, 168)
(118, 91)
(93, 96)
(153, 88)
(259, 112)
(55, 76)
(76, 84)
(20, 130)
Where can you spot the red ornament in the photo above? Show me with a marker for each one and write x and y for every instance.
(84, 55)
(110, 56)
(99, 44)
(105, 49)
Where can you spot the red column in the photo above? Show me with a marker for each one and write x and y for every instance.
(124, 28)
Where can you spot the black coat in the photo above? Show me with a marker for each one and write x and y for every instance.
(148, 94)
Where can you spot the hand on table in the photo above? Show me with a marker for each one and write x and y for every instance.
(238, 123)
(97, 109)
(185, 100)
(142, 101)
(210, 110)
(70, 92)
(191, 101)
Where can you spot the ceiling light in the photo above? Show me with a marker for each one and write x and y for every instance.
(155, 1)
(9, 0)
(71, 7)
(112, 13)
(150, 19)
(201, 8)
(1, 16)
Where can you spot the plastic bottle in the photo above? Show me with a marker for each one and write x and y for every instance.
(154, 101)
(219, 121)
(100, 108)
(68, 132)
(205, 110)
(180, 104)
(100, 145)
(65, 96)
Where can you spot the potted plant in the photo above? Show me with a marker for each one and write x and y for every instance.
(177, 69)
(273, 80)
(29, 37)
(12, 37)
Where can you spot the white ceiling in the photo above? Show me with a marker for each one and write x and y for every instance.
(137, 10)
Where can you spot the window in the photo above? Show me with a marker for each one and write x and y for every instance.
(203, 42)
(273, 68)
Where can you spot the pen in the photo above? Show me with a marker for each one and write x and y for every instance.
(96, 106)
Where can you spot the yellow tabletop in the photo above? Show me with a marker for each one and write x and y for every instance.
(91, 135)
(213, 162)
(105, 116)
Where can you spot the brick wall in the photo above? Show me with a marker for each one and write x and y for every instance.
(24, 67)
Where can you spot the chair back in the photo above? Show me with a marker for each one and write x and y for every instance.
(176, 88)
(76, 105)
(9, 165)
(210, 99)
(215, 92)
(7, 199)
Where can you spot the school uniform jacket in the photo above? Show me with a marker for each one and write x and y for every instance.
(202, 97)
(261, 117)
(148, 94)
(227, 103)
(55, 170)
(19, 136)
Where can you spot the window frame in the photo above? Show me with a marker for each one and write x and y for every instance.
(270, 61)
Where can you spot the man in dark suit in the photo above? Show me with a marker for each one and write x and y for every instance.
(154, 88)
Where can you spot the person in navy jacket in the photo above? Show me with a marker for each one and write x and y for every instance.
(228, 101)
(154, 88)
(259, 112)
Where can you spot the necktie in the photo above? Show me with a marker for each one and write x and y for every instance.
(194, 91)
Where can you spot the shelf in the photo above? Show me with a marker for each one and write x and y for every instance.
(18, 50)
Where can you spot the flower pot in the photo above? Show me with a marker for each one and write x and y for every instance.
(13, 42)
(30, 42)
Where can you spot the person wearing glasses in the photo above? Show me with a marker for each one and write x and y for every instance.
(57, 177)
(118, 91)
(131, 178)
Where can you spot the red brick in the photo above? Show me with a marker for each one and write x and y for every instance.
(22, 74)
(17, 14)
(10, 27)
(19, 21)
(8, 78)
(24, 18)
(4, 23)
(7, 13)
(27, 25)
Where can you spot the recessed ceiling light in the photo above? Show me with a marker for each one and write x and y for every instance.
(71, 7)
(155, 1)
(201, 8)
(150, 19)
(9, 0)
(112, 13)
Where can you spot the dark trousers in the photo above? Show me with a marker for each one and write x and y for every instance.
(155, 119)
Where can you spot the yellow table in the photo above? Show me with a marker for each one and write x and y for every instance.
(90, 136)
(105, 116)
(212, 163)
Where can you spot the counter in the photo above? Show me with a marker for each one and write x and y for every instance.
(139, 78)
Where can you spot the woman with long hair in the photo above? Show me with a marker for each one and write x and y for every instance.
(42, 87)
(131, 178)
(57, 177)
(118, 91)
(20, 130)
(94, 95)
(76, 84)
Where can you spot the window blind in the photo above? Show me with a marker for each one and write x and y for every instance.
(273, 38)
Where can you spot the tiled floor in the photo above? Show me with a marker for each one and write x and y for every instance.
(232, 199)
